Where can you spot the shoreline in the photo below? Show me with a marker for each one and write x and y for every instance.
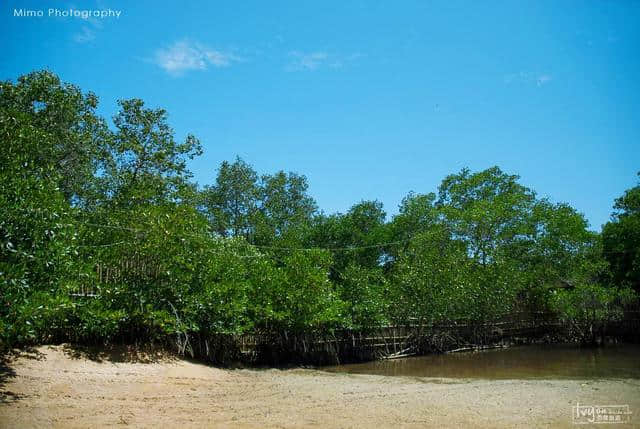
(52, 387)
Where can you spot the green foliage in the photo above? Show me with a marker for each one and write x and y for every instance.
(285, 210)
(621, 239)
(37, 238)
(115, 212)
(557, 250)
(355, 236)
(432, 279)
(365, 294)
(228, 280)
(489, 213)
(306, 298)
(231, 203)
(590, 307)
(65, 136)
(272, 210)
(486, 210)
(417, 213)
(148, 165)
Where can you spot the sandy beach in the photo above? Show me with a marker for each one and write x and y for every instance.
(59, 386)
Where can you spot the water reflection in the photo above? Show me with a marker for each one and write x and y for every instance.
(538, 361)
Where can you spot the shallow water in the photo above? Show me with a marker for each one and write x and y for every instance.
(525, 362)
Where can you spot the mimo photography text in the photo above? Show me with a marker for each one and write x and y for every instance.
(67, 13)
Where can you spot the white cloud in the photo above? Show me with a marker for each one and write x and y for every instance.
(310, 61)
(85, 35)
(183, 56)
(88, 32)
(306, 61)
(539, 79)
(543, 79)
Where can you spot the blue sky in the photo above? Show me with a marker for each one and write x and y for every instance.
(368, 99)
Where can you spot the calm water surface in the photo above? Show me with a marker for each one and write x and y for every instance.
(536, 361)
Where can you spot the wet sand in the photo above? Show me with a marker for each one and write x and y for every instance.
(57, 386)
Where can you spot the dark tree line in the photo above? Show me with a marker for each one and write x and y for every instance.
(113, 209)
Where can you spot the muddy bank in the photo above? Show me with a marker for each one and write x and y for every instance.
(59, 387)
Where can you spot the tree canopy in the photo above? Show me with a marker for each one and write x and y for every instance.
(113, 210)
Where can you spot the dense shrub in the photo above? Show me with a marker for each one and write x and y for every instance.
(105, 237)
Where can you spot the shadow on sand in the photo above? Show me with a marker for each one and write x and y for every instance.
(7, 372)
(119, 353)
